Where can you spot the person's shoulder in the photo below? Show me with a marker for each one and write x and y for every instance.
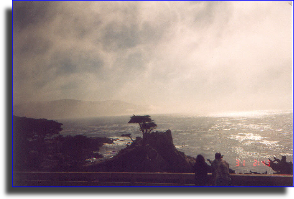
(214, 163)
(225, 162)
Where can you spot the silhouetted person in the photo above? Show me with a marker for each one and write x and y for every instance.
(281, 166)
(201, 169)
(220, 171)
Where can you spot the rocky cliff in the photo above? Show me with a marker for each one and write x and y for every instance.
(158, 154)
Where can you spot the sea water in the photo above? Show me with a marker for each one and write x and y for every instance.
(246, 139)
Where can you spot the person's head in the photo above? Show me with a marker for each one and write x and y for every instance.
(200, 159)
(218, 156)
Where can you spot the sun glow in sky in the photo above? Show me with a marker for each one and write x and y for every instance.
(194, 57)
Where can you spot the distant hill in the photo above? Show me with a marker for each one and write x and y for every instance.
(67, 108)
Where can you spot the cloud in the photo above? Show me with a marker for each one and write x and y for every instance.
(180, 56)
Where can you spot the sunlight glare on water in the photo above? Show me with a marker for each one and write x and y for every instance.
(247, 137)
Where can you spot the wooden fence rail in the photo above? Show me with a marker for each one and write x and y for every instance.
(138, 179)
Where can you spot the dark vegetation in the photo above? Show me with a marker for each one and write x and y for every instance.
(38, 146)
(145, 123)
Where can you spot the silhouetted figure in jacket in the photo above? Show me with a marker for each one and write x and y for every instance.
(220, 171)
(201, 169)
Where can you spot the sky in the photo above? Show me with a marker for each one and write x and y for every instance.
(174, 57)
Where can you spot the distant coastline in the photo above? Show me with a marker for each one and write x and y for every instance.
(68, 108)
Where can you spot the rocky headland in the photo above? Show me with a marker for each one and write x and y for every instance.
(156, 154)
(38, 146)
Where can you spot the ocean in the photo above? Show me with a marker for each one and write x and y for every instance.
(246, 139)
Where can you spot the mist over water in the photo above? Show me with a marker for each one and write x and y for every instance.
(245, 139)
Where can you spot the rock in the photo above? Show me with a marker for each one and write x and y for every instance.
(158, 154)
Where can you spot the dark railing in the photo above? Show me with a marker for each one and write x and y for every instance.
(138, 179)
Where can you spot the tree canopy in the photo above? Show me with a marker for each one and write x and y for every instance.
(145, 122)
(35, 128)
(29, 141)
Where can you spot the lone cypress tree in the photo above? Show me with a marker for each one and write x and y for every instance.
(145, 123)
